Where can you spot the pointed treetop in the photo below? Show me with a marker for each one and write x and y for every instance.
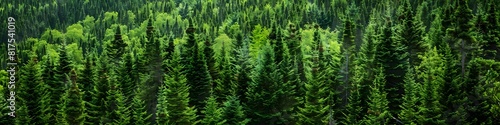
(118, 30)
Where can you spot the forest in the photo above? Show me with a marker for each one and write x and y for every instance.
(250, 62)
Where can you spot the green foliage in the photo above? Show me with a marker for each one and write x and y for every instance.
(212, 113)
(431, 72)
(378, 111)
(233, 112)
(139, 115)
(174, 96)
(411, 99)
(74, 105)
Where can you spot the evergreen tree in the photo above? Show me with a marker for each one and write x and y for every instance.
(391, 55)
(197, 74)
(32, 91)
(116, 48)
(99, 94)
(262, 89)
(347, 58)
(49, 80)
(116, 110)
(491, 35)
(139, 114)
(411, 99)
(242, 66)
(126, 78)
(431, 72)
(315, 109)
(173, 103)
(378, 112)
(212, 113)
(233, 112)
(22, 116)
(74, 105)
(410, 32)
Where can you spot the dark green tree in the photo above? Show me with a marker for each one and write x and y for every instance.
(173, 104)
(99, 94)
(197, 74)
(74, 106)
(410, 31)
(127, 78)
(32, 91)
(233, 112)
(116, 48)
(262, 89)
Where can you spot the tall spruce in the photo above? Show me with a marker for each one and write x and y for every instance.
(116, 111)
(212, 113)
(197, 73)
(116, 48)
(29, 94)
(411, 99)
(99, 94)
(139, 115)
(173, 104)
(378, 110)
(262, 89)
(233, 112)
(431, 72)
(74, 106)
(409, 32)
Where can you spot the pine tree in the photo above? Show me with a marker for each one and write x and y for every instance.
(411, 99)
(410, 32)
(233, 112)
(173, 104)
(74, 105)
(262, 89)
(378, 111)
(59, 85)
(315, 109)
(126, 78)
(431, 72)
(32, 91)
(197, 74)
(391, 55)
(139, 114)
(86, 83)
(116, 48)
(99, 94)
(49, 80)
(212, 113)
(116, 111)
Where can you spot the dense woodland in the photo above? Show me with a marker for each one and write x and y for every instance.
(255, 62)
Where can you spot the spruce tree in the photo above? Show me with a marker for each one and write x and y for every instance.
(262, 89)
(22, 116)
(411, 99)
(431, 72)
(139, 115)
(49, 80)
(410, 32)
(391, 55)
(197, 74)
(99, 94)
(116, 111)
(173, 104)
(212, 113)
(126, 78)
(491, 45)
(74, 105)
(116, 48)
(233, 112)
(32, 91)
(315, 109)
(242, 66)
(378, 111)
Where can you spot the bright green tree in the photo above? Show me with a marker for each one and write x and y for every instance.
(212, 112)
(262, 89)
(411, 99)
(378, 111)
(173, 104)
(431, 72)
(139, 115)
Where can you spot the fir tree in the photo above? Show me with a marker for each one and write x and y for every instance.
(49, 80)
(173, 103)
(431, 71)
(262, 89)
(22, 116)
(116, 48)
(99, 94)
(410, 32)
(74, 105)
(139, 114)
(126, 78)
(242, 66)
(233, 112)
(377, 112)
(32, 91)
(116, 110)
(411, 99)
(197, 74)
(212, 112)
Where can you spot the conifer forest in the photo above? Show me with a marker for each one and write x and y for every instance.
(250, 62)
